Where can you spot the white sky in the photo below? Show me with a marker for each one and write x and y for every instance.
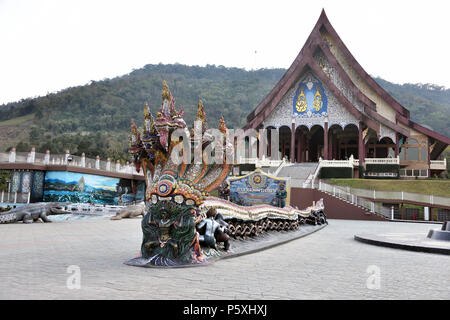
(46, 46)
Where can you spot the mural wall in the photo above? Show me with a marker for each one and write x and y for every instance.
(140, 192)
(63, 186)
(259, 188)
(28, 181)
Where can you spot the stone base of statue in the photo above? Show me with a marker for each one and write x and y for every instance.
(437, 241)
(441, 235)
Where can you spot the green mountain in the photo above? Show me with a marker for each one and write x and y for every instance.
(428, 104)
(95, 118)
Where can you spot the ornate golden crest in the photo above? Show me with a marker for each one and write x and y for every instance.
(318, 103)
(301, 101)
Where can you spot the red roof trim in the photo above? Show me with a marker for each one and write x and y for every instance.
(355, 65)
(305, 59)
(423, 130)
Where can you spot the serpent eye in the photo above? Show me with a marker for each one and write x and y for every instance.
(154, 198)
(190, 202)
(179, 199)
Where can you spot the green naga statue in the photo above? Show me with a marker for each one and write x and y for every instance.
(174, 191)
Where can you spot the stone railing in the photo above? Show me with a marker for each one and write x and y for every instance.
(14, 197)
(382, 160)
(67, 160)
(336, 163)
(93, 209)
(263, 162)
(376, 195)
(346, 194)
(352, 162)
(438, 164)
(283, 163)
(331, 163)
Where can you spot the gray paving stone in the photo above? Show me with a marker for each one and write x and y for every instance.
(328, 264)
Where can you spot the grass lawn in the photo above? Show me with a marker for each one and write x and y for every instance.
(16, 121)
(427, 186)
(14, 130)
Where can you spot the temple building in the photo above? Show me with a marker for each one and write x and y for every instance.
(327, 107)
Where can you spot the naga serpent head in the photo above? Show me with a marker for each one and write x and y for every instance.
(174, 191)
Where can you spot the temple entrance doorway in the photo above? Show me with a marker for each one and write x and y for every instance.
(348, 142)
(285, 142)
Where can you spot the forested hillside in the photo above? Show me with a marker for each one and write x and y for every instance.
(95, 118)
(428, 104)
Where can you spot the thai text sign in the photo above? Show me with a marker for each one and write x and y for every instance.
(258, 187)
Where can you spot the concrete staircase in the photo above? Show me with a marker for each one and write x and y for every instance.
(367, 206)
(298, 172)
(339, 204)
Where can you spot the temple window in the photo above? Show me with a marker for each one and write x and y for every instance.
(412, 154)
(414, 151)
(424, 154)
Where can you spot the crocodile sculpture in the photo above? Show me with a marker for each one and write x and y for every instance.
(130, 211)
(33, 212)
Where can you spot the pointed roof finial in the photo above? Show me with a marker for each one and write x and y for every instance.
(146, 110)
(222, 125)
(166, 92)
(323, 15)
(149, 122)
(201, 115)
(135, 136)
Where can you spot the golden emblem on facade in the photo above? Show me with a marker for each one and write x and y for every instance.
(301, 102)
(318, 103)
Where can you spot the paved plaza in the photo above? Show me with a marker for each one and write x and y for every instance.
(37, 260)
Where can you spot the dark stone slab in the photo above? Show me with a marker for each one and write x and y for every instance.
(443, 234)
(407, 241)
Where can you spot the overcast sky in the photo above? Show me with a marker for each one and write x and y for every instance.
(46, 46)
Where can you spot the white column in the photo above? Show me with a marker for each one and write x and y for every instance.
(12, 155)
(426, 213)
(33, 154)
(252, 147)
(117, 166)
(108, 164)
(97, 162)
(83, 160)
(47, 157)
(66, 156)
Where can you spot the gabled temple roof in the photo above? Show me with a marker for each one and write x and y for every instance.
(305, 61)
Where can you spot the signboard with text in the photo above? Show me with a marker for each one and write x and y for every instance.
(258, 187)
